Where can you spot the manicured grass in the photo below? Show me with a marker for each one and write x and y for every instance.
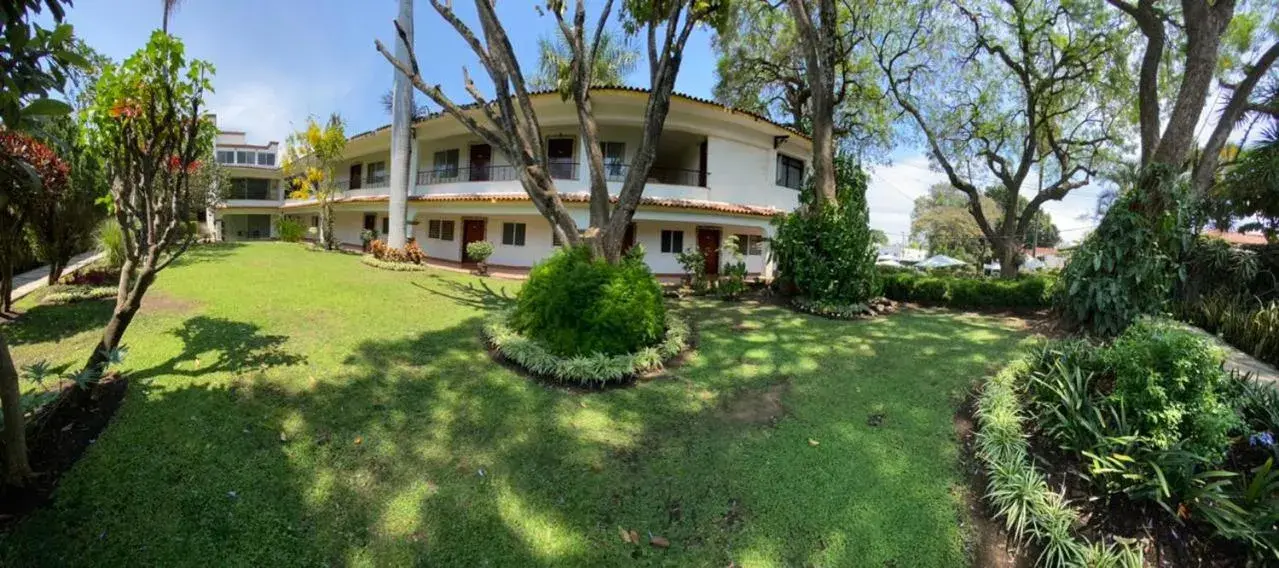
(300, 408)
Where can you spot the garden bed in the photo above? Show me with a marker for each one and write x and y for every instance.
(870, 309)
(392, 266)
(1049, 496)
(56, 438)
(65, 294)
(592, 371)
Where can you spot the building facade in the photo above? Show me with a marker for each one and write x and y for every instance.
(718, 174)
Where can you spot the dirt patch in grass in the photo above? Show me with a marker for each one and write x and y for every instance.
(56, 438)
(989, 545)
(156, 301)
(758, 406)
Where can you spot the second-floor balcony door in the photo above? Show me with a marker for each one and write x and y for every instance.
(481, 159)
(560, 152)
(356, 174)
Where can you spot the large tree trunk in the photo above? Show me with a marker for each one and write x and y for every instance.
(17, 469)
(56, 268)
(401, 137)
(128, 302)
(1009, 258)
(820, 57)
(6, 286)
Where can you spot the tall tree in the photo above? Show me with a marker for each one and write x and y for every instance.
(402, 139)
(1187, 46)
(940, 219)
(35, 60)
(1000, 90)
(616, 59)
(150, 120)
(823, 49)
(762, 68)
(509, 123)
(310, 158)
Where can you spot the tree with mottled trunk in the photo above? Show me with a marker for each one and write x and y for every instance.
(818, 28)
(1202, 26)
(508, 122)
(401, 136)
(996, 90)
(150, 121)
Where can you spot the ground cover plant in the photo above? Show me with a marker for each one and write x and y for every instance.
(263, 427)
(1147, 437)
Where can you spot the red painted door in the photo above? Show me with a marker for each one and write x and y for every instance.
(708, 242)
(472, 231)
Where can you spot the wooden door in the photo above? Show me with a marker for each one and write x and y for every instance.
(708, 242)
(481, 159)
(355, 176)
(370, 221)
(472, 231)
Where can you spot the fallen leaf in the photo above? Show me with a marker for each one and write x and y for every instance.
(284, 437)
(359, 440)
(813, 442)
(626, 537)
(634, 537)
(659, 542)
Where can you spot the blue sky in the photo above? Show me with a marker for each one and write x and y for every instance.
(279, 61)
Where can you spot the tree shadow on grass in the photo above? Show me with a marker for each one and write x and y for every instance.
(423, 451)
(475, 293)
(41, 323)
(214, 345)
(207, 252)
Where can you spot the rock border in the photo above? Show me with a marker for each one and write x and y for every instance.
(596, 370)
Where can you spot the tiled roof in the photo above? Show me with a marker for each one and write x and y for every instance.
(716, 206)
(1237, 238)
(622, 88)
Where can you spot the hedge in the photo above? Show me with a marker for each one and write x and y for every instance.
(595, 369)
(968, 292)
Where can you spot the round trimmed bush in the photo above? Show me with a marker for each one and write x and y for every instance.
(574, 304)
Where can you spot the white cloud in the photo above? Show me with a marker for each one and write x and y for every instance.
(263, 111)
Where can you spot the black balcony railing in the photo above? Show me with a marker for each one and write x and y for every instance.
(264, 194)
(658, 174)
(559, 170)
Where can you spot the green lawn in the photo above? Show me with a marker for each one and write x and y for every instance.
(299, 408)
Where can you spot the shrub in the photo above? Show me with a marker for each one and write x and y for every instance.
(290, 230)
(480, 250)
(411, 253)
(73, 294)
(1245, 323)
(694, 264)
(1031, 291)
(387, 265)
(111, 242)
(732, 282)
(95, 275)
(1127, 267)
(1171, 380)
(826, 252)
(592, 370)
(574, 304)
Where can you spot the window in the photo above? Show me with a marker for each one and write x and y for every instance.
(446, 164)
(266, 159)
(244, 157)
(226, 157)
(673, 241)
(433, 229)
(370, 221)
(560, 152)
(513, 234)
(315, 221)
(446, 230)
(790, 172)
(251, 188)
(751, 245)
(614, 160)
(376, 173)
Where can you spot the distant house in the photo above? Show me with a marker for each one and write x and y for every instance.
(902, 253)
(1237, 239)
(1052, 258)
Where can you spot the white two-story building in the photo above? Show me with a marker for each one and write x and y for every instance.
(719, 173)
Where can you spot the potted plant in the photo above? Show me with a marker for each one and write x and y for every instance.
(480, 251)
(367, 236)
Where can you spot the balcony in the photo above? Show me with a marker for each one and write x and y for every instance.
(260, 194)
(614, 172)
